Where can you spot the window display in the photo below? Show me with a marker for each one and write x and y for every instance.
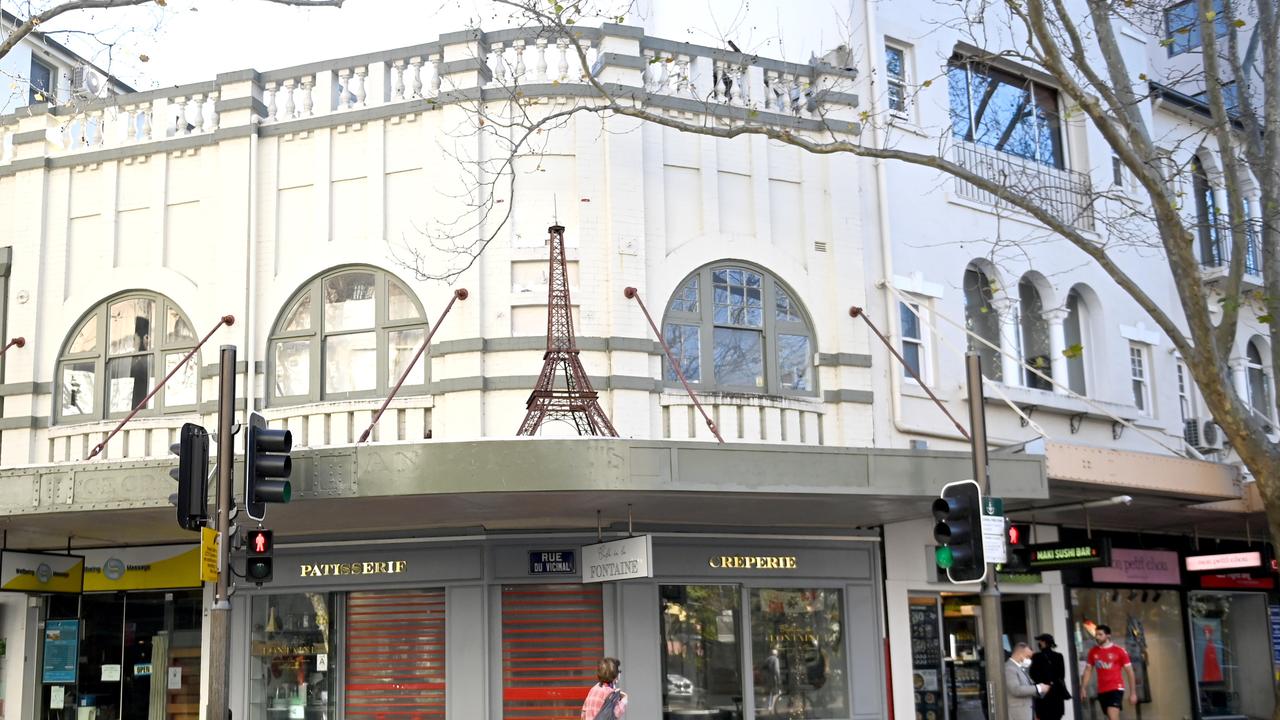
(291, 657)
(797, 644)
(701, 658)
(1147, 623)
(1231, 650)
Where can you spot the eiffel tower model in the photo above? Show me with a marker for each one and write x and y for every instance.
(563, 391)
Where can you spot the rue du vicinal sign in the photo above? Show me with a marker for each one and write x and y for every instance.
(618, 560)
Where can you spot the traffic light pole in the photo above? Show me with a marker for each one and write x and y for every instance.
(220, 615)
(992, 621)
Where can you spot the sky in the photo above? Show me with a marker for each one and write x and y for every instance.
(194, 40)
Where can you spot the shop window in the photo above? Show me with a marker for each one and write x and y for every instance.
(347, 334)
(292, 656)
(552, 640)
(1147, 623)
(118, 351)
(759, 335)
(797, 646)
(702, 652)
(1231, 652)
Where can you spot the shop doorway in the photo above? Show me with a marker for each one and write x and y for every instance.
(138, 657)
(552, 640)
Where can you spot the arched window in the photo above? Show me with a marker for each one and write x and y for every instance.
(1075, 328)
(1035, 336)
(981, 319)
(1259, 380)
(1211, 250)
(113, 357)
(760, 337)
(346, 334)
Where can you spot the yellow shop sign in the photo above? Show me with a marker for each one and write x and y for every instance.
(156, 567)
(41, 572)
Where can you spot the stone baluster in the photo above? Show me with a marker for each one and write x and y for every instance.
(497, 66)
(346, 97)
(540, 65)
(562, 69)
(194, 114)
(145, 130)
(211, 113)
(769, 101)
(743, 80)
(397, 81)
(358, 84)
(733, 80)
(269, 100)
(308, 101)
(288, 106)
(176, 123)
(518, 76)
(719, 90)
(664, 74)
(806, 97)
(796, 96)
(415, 77)
(97, 139)
(435, 76)
(683, 87)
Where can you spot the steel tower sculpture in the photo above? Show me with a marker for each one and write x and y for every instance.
(563, 391)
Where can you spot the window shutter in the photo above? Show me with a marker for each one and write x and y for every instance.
(395, 655)
(552, 640)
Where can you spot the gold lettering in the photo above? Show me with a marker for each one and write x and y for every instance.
(752, 562)
(791, 563)
(370, 567)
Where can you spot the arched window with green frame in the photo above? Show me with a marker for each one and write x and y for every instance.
(347, 333)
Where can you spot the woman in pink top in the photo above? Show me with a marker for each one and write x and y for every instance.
(607, 673)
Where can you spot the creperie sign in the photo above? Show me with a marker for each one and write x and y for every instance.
(1226, 561)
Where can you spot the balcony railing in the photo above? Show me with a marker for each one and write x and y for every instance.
(1215, 245)
(1065, 194)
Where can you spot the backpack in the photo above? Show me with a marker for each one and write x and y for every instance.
(607, 710)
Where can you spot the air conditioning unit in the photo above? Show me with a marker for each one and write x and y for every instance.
(1203, 435)
(87, 83)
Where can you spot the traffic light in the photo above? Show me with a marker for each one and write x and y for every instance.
(266, 464)
(192, 474)
(1018, 541)
(259, 565)
(958, 513)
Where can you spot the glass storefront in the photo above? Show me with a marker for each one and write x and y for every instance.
(1231, 651)
(798, 662)
(1147, 623)
(136, 655)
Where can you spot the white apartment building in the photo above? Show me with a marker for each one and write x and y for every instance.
(39, 70)
(311, 202)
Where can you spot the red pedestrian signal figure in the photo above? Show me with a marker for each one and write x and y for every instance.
(258, 566)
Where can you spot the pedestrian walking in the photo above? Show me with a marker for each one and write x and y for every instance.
(1114, 668)
(1018, 684)
(605, 701)
(1049, 668)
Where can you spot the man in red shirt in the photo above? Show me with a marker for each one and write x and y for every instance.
(1111, 661)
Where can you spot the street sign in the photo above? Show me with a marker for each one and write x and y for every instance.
(552, 562)
(209, 555)
(993, 537)
(1054, 556)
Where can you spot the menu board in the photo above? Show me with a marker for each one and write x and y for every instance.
(926, 659)
(61, 651)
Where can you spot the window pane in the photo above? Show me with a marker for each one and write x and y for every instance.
(400, 304)
(1139, 394)
(129, 325)
(785, 308)
(1005, 112)
(893, 63)
(401, 345)
(910, 322)
(958, 93)
(351, 362)
(181, 388)
(293, 368)
(686, 346)
(793, 362)
(702, 655)
(86, 339)
(797, 643)
(128, 381)
(176, 330)
(687, 299)
(299, 317)
(911, 353)
(78, 388)
(349, 301)
(737, 297)
(739, 357)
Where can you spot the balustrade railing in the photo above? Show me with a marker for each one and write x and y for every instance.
(743, 419)
(1065, 194)
(1215, 244)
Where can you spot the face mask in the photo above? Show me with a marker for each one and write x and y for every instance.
(1026, 663)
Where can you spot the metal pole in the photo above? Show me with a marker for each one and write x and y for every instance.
(220, 615)
(992, 622)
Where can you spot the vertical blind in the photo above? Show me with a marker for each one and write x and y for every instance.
(395, 655)
(552, 639)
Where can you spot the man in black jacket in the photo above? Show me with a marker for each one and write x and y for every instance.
(1049, 667)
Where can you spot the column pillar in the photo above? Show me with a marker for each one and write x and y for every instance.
(1057, 318)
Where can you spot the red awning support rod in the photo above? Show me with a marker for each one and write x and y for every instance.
(459, 294)
(633, 294)
(18, 342)
(227, 320)
(857, 312)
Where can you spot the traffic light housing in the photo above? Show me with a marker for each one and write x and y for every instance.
(192, 474)
(1017, 537)
(259, 563)
(958, 531)
(266, 465)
